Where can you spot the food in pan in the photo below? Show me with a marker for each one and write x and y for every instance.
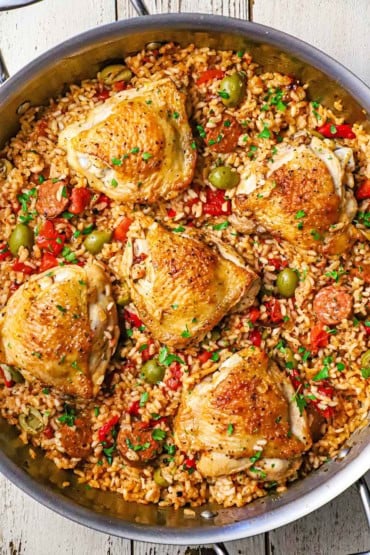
(184, 267)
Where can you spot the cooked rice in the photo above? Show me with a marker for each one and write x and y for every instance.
(35, 149)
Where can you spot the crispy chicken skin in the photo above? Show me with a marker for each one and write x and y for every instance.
(243, 417)
(303, 199)
(54, 328)
(182, 286)
(136, 147)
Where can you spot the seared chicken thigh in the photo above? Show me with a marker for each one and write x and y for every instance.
(136, 147)
(182, 286)
(60, 327)
(243, 417)
(303, 199)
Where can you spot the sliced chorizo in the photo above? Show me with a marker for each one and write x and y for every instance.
(332, 304)
(76, 440)
(224, 137)
(136, 444)
(52, 198)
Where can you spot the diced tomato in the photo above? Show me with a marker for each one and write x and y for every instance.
(174, 382)
(363, 191)
(145, 354)
(171, 213)
(326, 389)
(49, 239)
(119, 86)
(255, 337)
(254, 314)
(319, 337)
(80, 198)
(209, 75)
(133, 409)
(103, 199)
(132, 319)
(106, 429)
(330, 131)
(204, 356)
(49, 432)
(216, 204)
(190, 465)
(366, 328)
(327, 413)
(103, 94)
(4, 252)
(278, 263)
(274, 310)
(24, 268)
(47, 261)
(120, 233)
(295, 378)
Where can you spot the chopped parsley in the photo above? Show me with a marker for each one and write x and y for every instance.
(143, 347)
(222, 225)
(265, 133)
(67, 215)
(158, 434)
(201, 131)
(178, 229)
(227, 123)
(68, 417)
(166, 358)
(116, 161)
(323, 374)
(223, 94)
(144, 398)
(175, 306)
(340, 366)
(69, 255)
(300, 214)
(114, 183)
(135, 150)
(46, 391)
(96, 411)
(186, 332)
(336, 274)
(61, 308)
(88, 229)
(230, 430)
(315, 234)
(138, 447)
(256, 457)
(215, 356)
(176, 115)
(365, 372)
(240, 53)
(333, 129)
(146, 156)
(64, 192)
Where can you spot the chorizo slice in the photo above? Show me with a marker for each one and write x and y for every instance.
(52, 198)
(224, 137)
(136, 444)
(332, 304)
(76, 440)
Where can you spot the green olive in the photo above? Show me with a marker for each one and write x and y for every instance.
(232, 89)
(113, 73)
(159, 479)
(152, 372)
(365, 359)
(5, 167)
(287, 282)
(21, 236)
(32, 423)
(224, 177)
(96, 240)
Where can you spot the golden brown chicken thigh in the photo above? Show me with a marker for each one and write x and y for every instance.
(182, 286)
(303, 199)
(243, 417)
(136, 147)
(60, 327)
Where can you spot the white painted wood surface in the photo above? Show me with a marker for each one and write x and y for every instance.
(340, 27)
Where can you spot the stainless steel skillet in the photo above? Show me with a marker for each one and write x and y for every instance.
(82, 57)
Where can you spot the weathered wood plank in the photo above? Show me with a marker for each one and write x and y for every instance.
(337, 28)
(338, 528)
(234, 8)
(28, 528)
(27, 32)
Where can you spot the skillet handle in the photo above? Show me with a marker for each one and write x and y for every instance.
(220, 549)
(139, 7)
(365, 497)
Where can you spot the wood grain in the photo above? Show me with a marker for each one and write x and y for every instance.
(339, 28)
(336, 27)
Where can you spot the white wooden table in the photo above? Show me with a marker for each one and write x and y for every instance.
(339, 27)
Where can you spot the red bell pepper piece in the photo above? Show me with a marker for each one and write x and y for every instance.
(363, 191)
(120, 233)
(47, 261)
(254, 314)
(171, 213)
(119, 86)
(80, 198)
(278, 263)
(366, 328)
(274, 310)
(103, 94)
(209, 75)
(4, 252)
(132, 319)
(295, 378)
(174, 382)
(190, 465)
(215, 203)
(204, 356)
(255, 337)
(49, 239)
(319, 337)
(24, 268)
(330, 131)
(133, 409)
(49, 432)
(106, 429)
